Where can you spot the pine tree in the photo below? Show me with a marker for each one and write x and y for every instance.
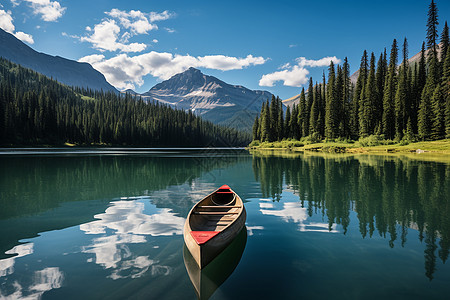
(425, 115)
(255, 129)
(446, 92)
(432, 33)
(362, 78)
(444, 42)
(402, 95)
(389, 94)
(273, 116)
(301, 113)
(380, 77)
(280, 120)
(294, 128)
(309, 101)
(287, 121)
(265, 122)
(331, 122)
(346, 99)
(314, 114)
(438, 108)
(368, 100)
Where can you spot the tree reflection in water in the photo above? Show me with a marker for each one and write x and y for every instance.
(390, 194)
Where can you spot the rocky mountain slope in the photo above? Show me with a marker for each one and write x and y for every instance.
(210, 97)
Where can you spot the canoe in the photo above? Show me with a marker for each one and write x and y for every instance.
(207, 280)
(213, 223)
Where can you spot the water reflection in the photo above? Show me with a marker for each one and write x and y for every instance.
(389, 195)
(7, 265)
(42, 281)
(125, 223)
(206, 281)
(294, 212)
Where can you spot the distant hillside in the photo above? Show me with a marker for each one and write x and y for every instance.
(207, 96)
(59, 115)
(64, 70)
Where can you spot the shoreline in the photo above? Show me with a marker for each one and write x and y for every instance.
(436, 147)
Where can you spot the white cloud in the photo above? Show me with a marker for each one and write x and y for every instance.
(125, 72)
(169, 30)
(323, 62)
(160, 16)
(137, 21)
(296, 75)
(113, 33)
(25, 37)
(6, 23)
(105, 38)
(50, 11)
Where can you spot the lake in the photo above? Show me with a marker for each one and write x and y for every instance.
(107, 224)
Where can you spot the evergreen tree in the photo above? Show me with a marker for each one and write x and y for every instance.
(432, 33)
(331, 117)
(389, 94)
(346, 99)
(367, 106)
(280, 119)
(287, 121)
(425, 115)
(294, 128)
(273, 117)
(301, 113)
(314, 114)
(362, 78)
(402, 95)
(444, 42)
(380, 77)
(446, 92)
(265, 122)
(438, 108)
(309, 102)
(255, 129)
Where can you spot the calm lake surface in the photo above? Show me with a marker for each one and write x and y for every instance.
(107, 224)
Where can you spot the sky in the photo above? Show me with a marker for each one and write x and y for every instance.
(263, 45)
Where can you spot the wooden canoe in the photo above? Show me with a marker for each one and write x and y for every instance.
(213, 223)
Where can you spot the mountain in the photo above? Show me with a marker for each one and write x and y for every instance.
(210, 97)
(64, 70)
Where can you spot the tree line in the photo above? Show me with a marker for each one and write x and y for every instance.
(35, 109)
(396, 102)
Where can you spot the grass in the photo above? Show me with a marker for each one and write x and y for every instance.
(384, 146)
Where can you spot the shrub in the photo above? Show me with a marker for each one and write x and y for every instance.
(371, 140)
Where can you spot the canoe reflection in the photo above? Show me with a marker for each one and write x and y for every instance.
(207, 280)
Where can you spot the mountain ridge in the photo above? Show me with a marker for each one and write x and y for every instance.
(213, 99)
(66, 71)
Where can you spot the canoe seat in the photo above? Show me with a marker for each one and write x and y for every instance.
(215, 213)
(219, 206)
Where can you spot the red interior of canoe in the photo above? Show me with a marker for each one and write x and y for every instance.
(202, 237)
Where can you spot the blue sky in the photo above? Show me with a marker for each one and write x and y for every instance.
(268, 45)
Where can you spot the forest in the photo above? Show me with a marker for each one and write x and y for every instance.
(36, 110)
(403, 102)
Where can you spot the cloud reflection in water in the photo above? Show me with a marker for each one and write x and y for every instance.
(125, 223)
(294, 212)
